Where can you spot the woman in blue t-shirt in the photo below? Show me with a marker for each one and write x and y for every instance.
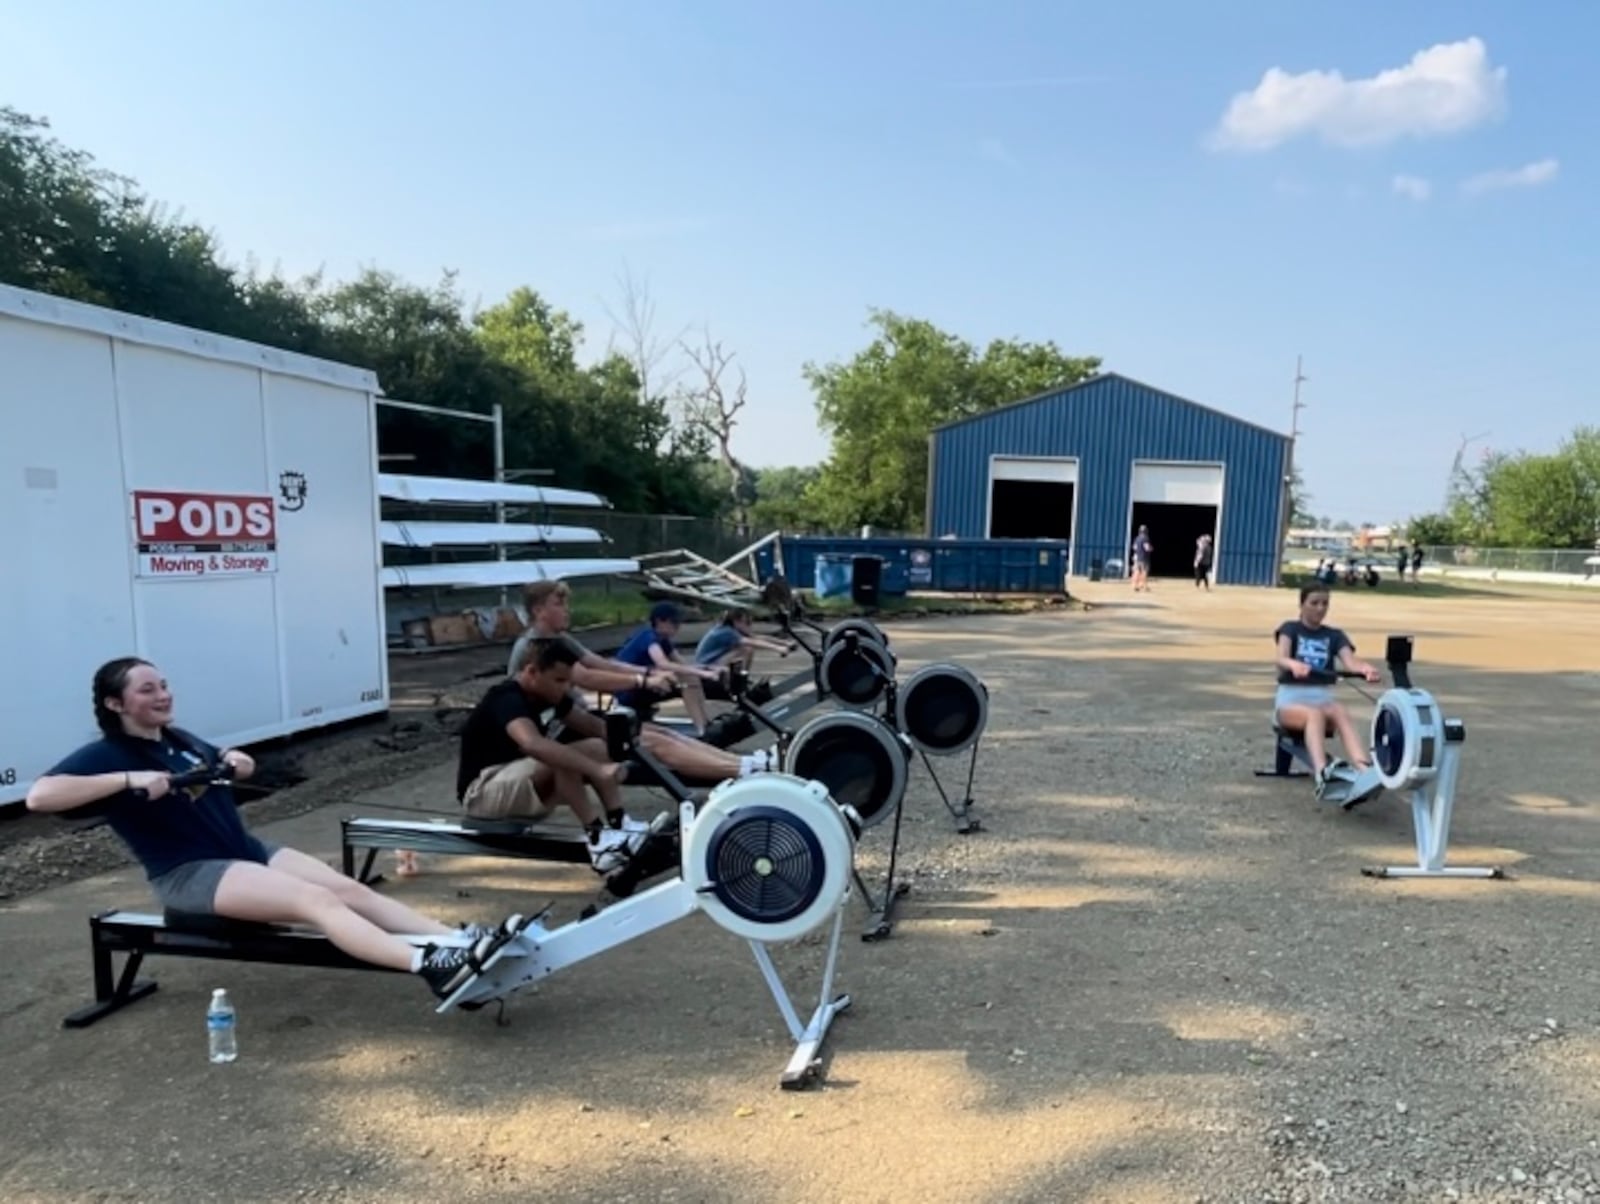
(198, 855)
(1308, 653)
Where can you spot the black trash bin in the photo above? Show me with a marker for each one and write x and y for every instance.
(1096, 568)
(866, 580)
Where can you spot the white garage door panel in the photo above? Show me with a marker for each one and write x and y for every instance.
(1030, 468)
(1178, 484)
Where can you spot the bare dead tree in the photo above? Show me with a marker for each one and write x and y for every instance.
(634, 328)
(713, 407)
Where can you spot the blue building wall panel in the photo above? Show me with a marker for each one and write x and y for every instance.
(1107, 424)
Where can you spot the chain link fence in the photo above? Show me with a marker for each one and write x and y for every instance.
(642, 534)
(1577, 562)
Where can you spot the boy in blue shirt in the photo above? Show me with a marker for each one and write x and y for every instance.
(652, 648)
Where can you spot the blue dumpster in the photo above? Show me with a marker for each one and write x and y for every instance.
(1002, 566)
(834, 573)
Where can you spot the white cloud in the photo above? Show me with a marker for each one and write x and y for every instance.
(1444, 89)
(1414, 187)
(1529, 176)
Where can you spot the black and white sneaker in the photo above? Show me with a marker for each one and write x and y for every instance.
(446, 967)
(1321, 779)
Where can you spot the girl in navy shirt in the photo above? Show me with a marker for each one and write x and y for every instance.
(1308, 654)
(196, 852)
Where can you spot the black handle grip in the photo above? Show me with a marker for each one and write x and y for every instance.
(1327, 677)
(203, 775)
(622, 729)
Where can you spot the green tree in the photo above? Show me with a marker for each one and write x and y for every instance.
(782, 499)
(1433, 531)
(880, 407)
(56, 211)
(595, 427)
(74, 230)
(71, 229)
(1541, 502)
(1523, 499)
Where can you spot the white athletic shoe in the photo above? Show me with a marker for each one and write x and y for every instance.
(629, 824)
(610, 848)
(754, 763)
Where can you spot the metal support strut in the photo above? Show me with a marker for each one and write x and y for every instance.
(1432, 805)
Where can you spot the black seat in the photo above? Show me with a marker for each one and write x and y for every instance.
(203, 924)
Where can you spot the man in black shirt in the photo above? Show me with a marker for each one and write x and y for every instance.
(550, 616)
(518, 758)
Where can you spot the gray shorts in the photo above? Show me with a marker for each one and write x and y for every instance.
(1301, 696)
(192, 887)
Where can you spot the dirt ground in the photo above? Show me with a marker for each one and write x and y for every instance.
(1152, 977)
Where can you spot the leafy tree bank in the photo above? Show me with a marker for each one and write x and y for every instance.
(1523, 499)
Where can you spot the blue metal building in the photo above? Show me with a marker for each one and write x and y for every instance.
(1090, 463)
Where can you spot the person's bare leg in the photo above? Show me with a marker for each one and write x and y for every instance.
(610, 792)
(391, 915)
(694, 701)
(570, 792)
(1354, 746)
(691, 758)
(266, 895)
(1308, 724)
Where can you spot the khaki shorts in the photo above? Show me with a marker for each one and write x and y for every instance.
(510, 791)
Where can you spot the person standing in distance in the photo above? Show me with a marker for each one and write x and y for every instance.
(1202, 562)
(1142, 549)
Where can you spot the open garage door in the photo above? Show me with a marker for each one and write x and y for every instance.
(1178, 502)
(1032, 497)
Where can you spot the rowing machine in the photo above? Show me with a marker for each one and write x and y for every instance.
(865, 760)
(767, 858)
(943, 711)
(862, 761)
(1416, 749)
(852, 663)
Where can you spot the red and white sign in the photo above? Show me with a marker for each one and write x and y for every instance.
(204, 534)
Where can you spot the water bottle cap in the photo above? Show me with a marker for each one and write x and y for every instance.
(218, 993)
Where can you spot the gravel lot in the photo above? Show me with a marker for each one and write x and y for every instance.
(1152, 977)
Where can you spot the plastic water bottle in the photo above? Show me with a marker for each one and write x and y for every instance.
(220, 1025)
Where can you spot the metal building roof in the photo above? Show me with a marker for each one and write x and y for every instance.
(1098, 379)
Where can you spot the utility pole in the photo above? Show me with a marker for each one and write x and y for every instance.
(1288, 469)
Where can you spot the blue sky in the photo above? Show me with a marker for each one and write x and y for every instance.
(1409, 201)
